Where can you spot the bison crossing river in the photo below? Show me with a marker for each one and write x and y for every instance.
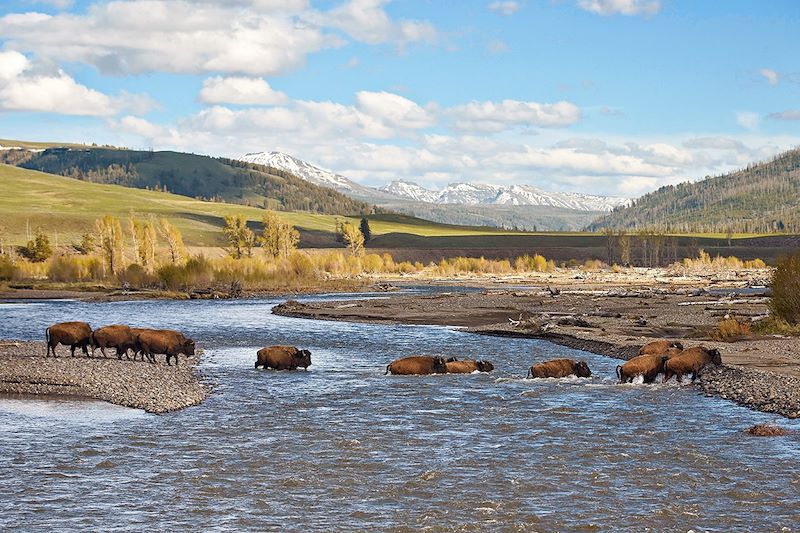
(147, 342)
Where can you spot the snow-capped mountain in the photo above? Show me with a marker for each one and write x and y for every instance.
(403, 195)
(485, 194)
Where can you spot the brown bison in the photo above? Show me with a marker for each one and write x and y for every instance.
(417, 364)
(648, 366)
(283, 358)
(163, 341)
(692, 360)
(659, 347)
(118, 336)
(72, 334)
(560, 368)
(137, 348)
(468, 366)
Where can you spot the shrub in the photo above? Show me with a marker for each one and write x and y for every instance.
(67, 268)
(136, 276)
(731, 329)
(8, 270)
(785, 301)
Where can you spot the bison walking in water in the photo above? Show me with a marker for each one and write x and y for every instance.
(283, 358)
(163, 341)
(468, 366)
(72, 334)
(648, 366)
(417, 364)
(659, 347)
(118, 336)
(560, 368)
(690, 361)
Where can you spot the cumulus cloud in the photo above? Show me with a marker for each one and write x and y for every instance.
(621, 7)
(507, 7)
(748, 119)
(770, 75)
(240, 90)
(24, 88)
(368, 22)
(491, 116)
(393, 110)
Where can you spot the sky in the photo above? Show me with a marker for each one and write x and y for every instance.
(611, 97)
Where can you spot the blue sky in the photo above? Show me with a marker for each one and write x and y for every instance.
(602, 96)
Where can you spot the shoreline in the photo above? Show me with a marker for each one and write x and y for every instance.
(756, 373)
(156, 389)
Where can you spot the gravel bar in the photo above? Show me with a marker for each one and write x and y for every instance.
(155, 388)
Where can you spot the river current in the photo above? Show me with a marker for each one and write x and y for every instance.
(343, 447)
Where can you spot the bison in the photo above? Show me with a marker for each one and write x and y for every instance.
(648, 366)
(283, 358)
(560, 368)
(163, 341)
(468, 366)
(692, 360)
(118, 336)
(417, 364)
(659, 347)
(72, 334)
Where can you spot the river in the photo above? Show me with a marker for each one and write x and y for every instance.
(343, 447)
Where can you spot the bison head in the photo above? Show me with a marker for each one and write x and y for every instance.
(188, 347)
(716, 357)
(452, 359)
(439, 365)
(582, 370)
(485, 366)
(302, 358)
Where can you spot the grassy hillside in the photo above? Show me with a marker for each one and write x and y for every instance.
(68, 207)
(762, 198)
(191, 175)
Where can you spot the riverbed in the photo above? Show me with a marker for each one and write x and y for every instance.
(343, 447)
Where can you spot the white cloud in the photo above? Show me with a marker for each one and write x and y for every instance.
(393, 110)
(60, 4)
(621, 7)
(770, 75)
(368, 22)
(507, 7)
(240, 90)
(138, 36)
(497, 46)
(498, 116)
(748, 119)
(25, 88)
(139, 126)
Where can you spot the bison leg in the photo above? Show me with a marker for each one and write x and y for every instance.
(679, 377)
(72, 349)
(694, 376)
(85, 350)
(667, 376)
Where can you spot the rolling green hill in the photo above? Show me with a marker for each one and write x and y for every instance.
(762, 198)
(191, 175)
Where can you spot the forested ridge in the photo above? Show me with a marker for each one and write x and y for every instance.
(761, 198)
(202, 177)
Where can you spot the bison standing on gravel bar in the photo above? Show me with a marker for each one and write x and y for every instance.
(648, 366)
(560, 368)
(659, 347)
(691, 361)
(468, 366)
(72, 334)
(163, 341)
(118, 336)
(417, 365)
(283, 358)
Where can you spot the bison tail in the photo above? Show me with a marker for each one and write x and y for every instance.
(47, 339)
(619, 371)
(530, 373)
(388, 367)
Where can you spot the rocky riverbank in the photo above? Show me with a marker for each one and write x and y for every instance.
(154, 388)
(762, 373)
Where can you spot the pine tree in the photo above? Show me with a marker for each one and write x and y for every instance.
(365, 231)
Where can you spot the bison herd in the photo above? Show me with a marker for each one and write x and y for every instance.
(145, 342)
(667, 358)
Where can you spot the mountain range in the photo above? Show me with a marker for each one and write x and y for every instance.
(520, 206)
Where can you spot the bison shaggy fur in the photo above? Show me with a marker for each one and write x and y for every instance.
(468, 366)
(417, 364)
(117, 336)
(560, 368)
(283, 358)
(690, 361)
(648, 366)
(659, 347)
(164, 341)
(72, 334)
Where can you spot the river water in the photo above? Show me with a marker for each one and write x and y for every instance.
(343, 447)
